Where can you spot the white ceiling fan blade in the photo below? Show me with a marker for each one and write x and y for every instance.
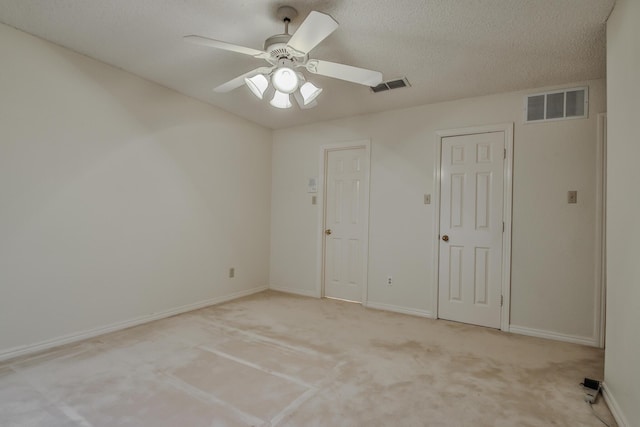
(345, 72)
(205, 41)
(239, 81)
(315, 28)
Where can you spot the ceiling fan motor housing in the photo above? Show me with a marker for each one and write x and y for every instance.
(278, 49)
(277, 45)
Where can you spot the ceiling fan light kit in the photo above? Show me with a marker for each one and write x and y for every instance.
(281, 100)
(285, 80)
(257, 84)
(309, 92)
(286, 54)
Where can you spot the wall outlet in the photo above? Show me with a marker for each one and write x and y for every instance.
(232, 273)
(389, 280)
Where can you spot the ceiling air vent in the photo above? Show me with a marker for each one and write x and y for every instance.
(391, 84)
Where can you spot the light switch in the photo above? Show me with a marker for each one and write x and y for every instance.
(572, 196)
(314, 200)
(427, 199)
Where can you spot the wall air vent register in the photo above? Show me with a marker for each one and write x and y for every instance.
(557, 105)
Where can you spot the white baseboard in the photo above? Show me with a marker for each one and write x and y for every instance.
(540, 333)
(303, 292)
(90, 333)
(399, 309)
(614, 407)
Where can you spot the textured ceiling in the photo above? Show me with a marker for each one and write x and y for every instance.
(448, 49)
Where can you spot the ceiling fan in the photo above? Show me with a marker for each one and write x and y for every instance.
(287, 54)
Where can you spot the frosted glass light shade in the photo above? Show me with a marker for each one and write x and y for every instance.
(285, 80)
(281, 100)
(258, 84)
(309, 92)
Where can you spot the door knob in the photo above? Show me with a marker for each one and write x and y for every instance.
(327, 231)
(445, 238)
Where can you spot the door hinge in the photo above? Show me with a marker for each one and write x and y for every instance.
(503, 226)
(501, 300)
(505, 153)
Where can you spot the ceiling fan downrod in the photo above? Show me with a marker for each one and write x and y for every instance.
(286, 14)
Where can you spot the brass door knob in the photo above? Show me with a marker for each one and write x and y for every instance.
(327, 231)
(445, 238)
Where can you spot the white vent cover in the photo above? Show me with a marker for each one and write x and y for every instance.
(557, 105)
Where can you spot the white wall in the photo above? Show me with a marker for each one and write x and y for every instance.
(553, 280)
(622, 356)
(118, 198)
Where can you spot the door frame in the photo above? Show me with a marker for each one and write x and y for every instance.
(601, 233)
(324, 150)
(507, 190)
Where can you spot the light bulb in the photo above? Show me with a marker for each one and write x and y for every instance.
(285, 80)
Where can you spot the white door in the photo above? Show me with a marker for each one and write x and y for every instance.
(471, 227)
(345, 254)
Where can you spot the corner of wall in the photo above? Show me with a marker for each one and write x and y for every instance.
(614, 407)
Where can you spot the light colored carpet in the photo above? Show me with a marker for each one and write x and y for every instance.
(278, 359)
